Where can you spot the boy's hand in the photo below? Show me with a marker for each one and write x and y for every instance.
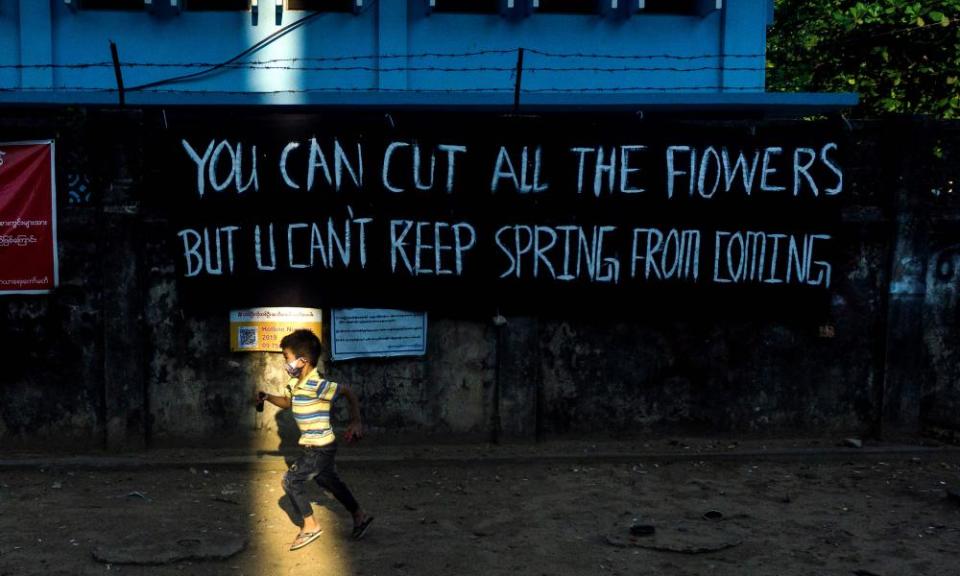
(354, 431)
(259, 396)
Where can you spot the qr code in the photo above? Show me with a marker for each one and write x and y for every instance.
(247, 337)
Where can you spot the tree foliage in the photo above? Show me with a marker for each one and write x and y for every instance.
(900, 56)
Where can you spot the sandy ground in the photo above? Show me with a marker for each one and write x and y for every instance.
(862, 513)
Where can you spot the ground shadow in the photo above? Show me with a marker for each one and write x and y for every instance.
(289, 435)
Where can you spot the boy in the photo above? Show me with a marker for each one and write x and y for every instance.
(311, 397)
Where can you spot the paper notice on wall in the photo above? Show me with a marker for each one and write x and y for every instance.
(261, 329)
(377, 332)
(28, 225)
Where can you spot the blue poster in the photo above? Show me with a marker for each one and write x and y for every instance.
(377, 333)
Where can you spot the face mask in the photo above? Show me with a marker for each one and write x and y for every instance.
(293, 370)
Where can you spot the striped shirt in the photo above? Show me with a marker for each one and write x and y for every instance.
(311, 402)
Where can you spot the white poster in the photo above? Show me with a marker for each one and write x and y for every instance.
(377, 332)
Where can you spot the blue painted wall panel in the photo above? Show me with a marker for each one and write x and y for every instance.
(744, 33)
(9, 43)
(82, 36)
(382, 49)
(35, 45)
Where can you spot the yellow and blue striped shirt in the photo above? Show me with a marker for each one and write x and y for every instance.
(311, 402)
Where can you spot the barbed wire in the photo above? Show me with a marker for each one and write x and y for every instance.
(591, 89)
(600, 56)
(56, 66)
(58, 89)
(415, 56)
(497, 68)
(645, 89)
(320, 64)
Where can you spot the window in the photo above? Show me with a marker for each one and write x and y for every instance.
(110, 4)
(670, 6)
(323, 5)
(474, 6)
(566, 6)
(217, 5)
(687, 7)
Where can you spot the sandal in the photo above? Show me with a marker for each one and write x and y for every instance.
(305, 538)
(360, 529)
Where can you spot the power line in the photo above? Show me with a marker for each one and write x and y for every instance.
(252, 49)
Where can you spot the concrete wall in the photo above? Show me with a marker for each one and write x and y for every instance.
(111, 358)
(53, 346)
(939, 273)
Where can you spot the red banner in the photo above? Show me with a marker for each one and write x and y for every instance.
(28, 227)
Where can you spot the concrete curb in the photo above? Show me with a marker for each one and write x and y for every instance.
(276, 460)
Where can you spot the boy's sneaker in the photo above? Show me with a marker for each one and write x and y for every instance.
(360, 529)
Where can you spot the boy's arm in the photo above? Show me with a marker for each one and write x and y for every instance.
(355, 427)
(278, 401)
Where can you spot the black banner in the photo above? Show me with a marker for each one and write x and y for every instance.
(474, 212)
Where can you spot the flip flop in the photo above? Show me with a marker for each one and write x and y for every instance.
(360, 530)
(305, 538)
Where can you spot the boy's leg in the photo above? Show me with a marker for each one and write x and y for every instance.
(294, 485)
(328, 479)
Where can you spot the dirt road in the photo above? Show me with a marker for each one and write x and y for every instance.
(881, 514)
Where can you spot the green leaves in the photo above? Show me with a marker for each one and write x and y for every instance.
(902, 57)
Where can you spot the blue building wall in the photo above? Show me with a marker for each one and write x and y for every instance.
(389, 52)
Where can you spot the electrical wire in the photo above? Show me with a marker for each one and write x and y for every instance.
(252, 49)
